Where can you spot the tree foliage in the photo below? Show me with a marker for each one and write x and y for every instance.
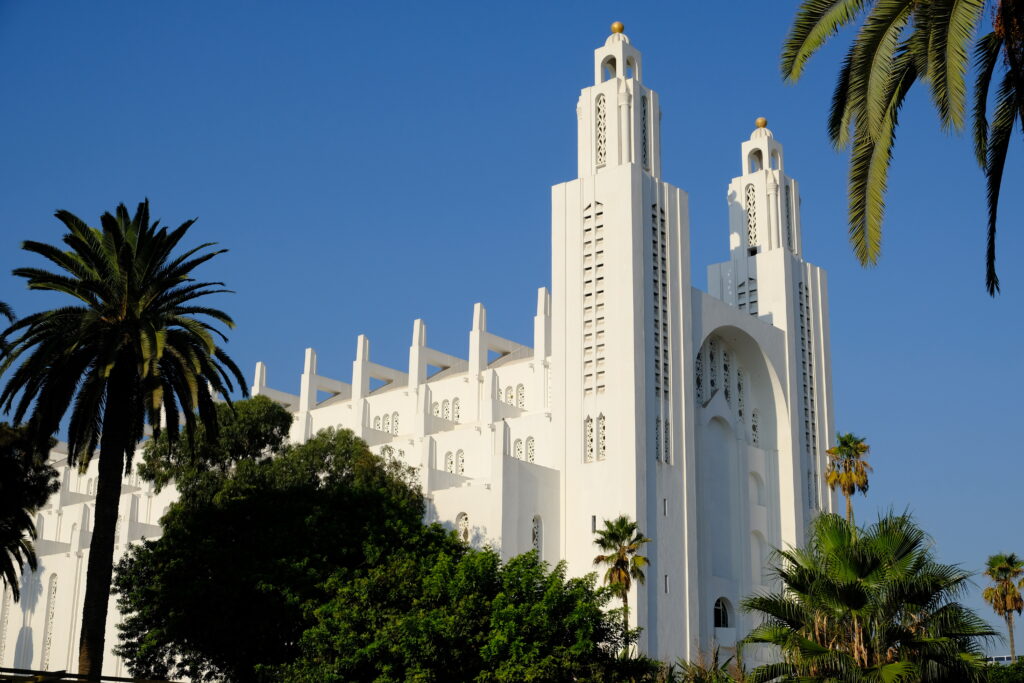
(847, 468)
(246, 429)
(1006, 571)
(621, 541)
(133, 345)
(898, 43)
(465, 616)
(868, 605)
(26, 483)
(255, 550)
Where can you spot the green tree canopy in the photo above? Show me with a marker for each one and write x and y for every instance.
(26, 483)
(868, 604)
(225, 590)
(246, 429)
(465, 616)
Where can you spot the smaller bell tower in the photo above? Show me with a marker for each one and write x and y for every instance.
(767, 277)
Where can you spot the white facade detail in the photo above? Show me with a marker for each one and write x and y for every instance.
(704, 416)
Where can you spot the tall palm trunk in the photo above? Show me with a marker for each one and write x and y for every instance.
(849, 508)
(101, 548)
(625, 622)
(1009, 629)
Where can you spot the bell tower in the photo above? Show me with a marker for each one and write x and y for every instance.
(620, 301)
(768, 278)
(619, 117)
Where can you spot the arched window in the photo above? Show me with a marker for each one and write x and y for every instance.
(600, 437)
(755, 162)
(456, 410)
(449, 462)
(531, 446)
(517, 450)
(712, 367)
(51, 606)
(739, 393)
(601, 130)
(386, 424)
(446, 409)
(588, 439)
(611, 67)
(460, 462)
(5, 619)
(755, 436)
(657, 438)
(722, 614)
(726, 377)
(750, 207)
(376, 423)
(435, 409)
(775, 160)
(537, 537)
(667, 441)
(510, 396)
(698, 372)
(462, 526)
(394, 423)
(789, 216)
(520, 396)
(644, 144)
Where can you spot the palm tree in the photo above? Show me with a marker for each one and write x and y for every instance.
(6, 311)
(868, 605)
(1007, 573)
(622, 541)
(129, 350)
(899, 43)
(847, 469)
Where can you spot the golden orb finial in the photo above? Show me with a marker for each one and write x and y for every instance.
(617, 27)
(761, 122)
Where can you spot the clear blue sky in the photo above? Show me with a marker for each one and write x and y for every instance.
(368, 164)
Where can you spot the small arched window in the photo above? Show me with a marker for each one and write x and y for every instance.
(600, 437)
(588, 439)
(462, 526)
(446, 409)
(755, 161)
(609, 68)
(531, 449)
(517, 450)
(601, 131)
(722, 617)
(460, 462)
(537, 536)
(376, 423)
(750, 209)
(51, 606)
(755, 435)
(510, 396)
(449, 462)
(456, 410)
(775, 160)
(520, 396)
(386, 424)
(435, 409)
(394, 423)
(5, 618)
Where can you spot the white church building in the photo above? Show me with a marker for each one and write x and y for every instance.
(704, 416)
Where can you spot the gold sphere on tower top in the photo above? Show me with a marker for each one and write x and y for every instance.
(617, 27)
(761, 122)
